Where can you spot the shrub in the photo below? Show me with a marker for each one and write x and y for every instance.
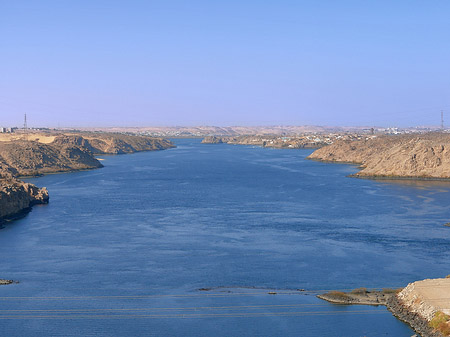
(338, 294)
(444, 328)
(391, 291)
(441, 322)
(359, 291)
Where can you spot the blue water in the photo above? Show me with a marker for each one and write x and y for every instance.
(123, 250)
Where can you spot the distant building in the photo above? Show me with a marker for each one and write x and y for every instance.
(7, 130)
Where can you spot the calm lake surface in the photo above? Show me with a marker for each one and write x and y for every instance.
(123, 250)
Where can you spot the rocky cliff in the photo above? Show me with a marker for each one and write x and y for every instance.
(405, 156)
(26, 158)
(17, 197)
(112, 143)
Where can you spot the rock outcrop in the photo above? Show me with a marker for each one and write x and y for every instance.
(359, 296)
(214, 140)
(111, 143)
(26, 158)
(424, 156)
(277, 142)
(17, 197)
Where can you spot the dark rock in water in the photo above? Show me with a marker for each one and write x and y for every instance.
(2, 282)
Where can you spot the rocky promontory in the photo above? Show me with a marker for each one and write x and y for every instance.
(359, 296)
(425, 156)
(32, 156)
(16, 197)
(112, 143)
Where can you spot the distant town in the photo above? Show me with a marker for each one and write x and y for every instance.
(235, 131)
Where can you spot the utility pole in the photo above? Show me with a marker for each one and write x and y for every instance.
(442, 120)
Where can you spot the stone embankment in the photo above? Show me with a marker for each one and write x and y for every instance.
(424, 305)
(425, 156)
(421, 302)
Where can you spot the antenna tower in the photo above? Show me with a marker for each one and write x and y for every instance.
(25, 127)
(442, 119)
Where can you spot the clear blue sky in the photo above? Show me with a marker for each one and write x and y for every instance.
(235, 62)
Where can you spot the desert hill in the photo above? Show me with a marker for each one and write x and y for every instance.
(403, 156)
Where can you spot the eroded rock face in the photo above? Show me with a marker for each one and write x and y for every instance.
(17, 196)
(26, 158)
(415, 156)
(109, 143)
(213, 140)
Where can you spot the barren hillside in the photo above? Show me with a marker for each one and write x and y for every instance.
(414, 156)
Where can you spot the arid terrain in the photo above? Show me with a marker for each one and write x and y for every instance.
(230, 131)
(423, 156)
(306, 141)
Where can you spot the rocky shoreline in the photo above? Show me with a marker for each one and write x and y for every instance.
(418, 304)
(360, 296)
(413, 319)
(420, 157)
(17, 197)
(64, 153)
